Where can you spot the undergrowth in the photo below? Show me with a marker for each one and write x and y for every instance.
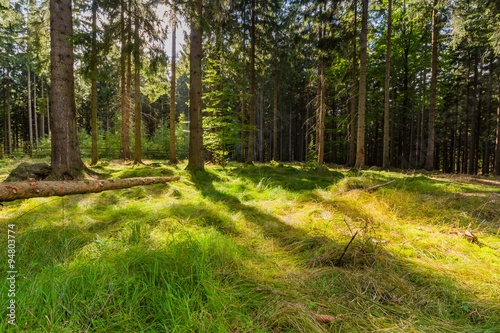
(258, 249)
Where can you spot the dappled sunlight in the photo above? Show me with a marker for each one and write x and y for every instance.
(262, 247)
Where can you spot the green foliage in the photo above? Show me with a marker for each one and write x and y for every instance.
(220, 122)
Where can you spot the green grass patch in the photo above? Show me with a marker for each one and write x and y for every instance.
(257, 249)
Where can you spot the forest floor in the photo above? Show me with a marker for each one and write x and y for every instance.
(257, 249)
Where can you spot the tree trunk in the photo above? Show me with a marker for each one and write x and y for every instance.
(137, 90)
(30, 117)
(123, 90)
(35, 117)
(360, 152)
(486, 158)
(352, 144)
(320, 126)
(93, 98)
(429, 163)
(196, 156)
(8, 127)
(172, 155)
(48, 111)
(497, 142)
(261, 127)
(474, 124)
(10, 191)
(42, 118)
(66, 159)
(252, 87)
(275, 110)
(386, 164)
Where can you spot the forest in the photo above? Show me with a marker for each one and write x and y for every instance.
(409, 84)
(250, 166)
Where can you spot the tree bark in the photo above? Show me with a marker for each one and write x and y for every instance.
(172, 155)
(42, 118)
(35, 117)
(360, 152)
(386, 163)
(10, 191)
(429, 163)
(30, 117)
(93, 97)
(352, 144)
(275, 110)
(497, 142)
(66, 159)
(8, 127)
(474, 124)
(251, 142)
(486, 159)
(137, 90)
(320, 127)
(123, 90)
(196, 155)
(261, 127)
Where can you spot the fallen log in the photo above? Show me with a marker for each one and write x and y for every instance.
(33, 189)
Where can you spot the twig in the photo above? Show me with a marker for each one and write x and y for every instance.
(345, 249)
(347, 224)
(103, 306)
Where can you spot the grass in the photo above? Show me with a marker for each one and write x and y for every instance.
(255, 249)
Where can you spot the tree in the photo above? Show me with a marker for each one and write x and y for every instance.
(196, 155)
(429, 162)
(137, 89)
(360, 151)
(125, 96)
(65, 158)
(94, 83)
(251, 142)
(386, 163)
(172, 156)
(352, 143)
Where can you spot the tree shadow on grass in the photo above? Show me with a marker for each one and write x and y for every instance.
(396, 284)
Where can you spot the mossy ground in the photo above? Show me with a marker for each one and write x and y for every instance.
(256, 249)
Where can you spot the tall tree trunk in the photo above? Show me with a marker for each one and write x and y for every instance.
(35, 116)
(320, 129)
(196, 156)
(386, 163)
(93, 98)
(486, 158)
(290, 137)
(251, 143)
(8, 126)
(352, 143)
(429, 163)
(137, 90)
(66, 159)
(172, 155)
(243, 157)
(48, 111)
(474, 129)
(360, 152)
(261, 127)
(275, 109)
(30, 118)
(123, 83)
(497, 142)
(42, 118)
